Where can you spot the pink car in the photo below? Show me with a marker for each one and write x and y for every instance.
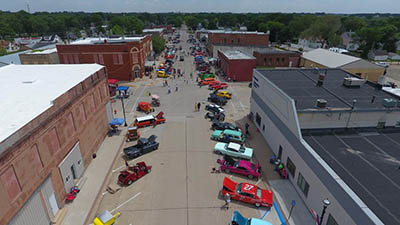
(218, 86)
(242, 167)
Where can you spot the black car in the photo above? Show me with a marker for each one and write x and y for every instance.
(218, 125)
(181, 58)
(143, 146)
(214, 108)
(216, 99)
(215, 116)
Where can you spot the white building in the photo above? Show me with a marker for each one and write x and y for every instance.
(336, 138)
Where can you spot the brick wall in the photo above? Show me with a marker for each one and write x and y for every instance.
(237, 69)
(78, 115)
(290, 59)
(121, 60)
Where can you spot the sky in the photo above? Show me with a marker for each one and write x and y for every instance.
(236, 6)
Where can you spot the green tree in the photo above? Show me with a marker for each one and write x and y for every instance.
(191, 22)
(3, 51)
(212, 25)
(117, 30)
(158, 44)
(353, 23)
(335, 40)
(323, 28)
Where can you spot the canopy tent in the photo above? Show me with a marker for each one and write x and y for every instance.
(117, 122)
(122, 88)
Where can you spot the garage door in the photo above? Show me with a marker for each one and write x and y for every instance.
(32, 212)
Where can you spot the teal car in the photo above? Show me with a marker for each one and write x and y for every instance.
(234, 150)
(238, 219)
(228, 136)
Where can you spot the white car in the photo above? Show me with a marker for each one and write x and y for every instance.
(214, 108)
(384, 64)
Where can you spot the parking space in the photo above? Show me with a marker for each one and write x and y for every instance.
(180, 189)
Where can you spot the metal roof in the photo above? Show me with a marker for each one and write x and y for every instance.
(236, 55)
(328, 58)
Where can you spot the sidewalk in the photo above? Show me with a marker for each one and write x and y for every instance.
(93, 180)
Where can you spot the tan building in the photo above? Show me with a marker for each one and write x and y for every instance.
(53, 119)
(48, 56)
(322, 58)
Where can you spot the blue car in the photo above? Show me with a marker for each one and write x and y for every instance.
(238, 219)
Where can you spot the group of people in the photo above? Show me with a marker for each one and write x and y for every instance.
(197, 106)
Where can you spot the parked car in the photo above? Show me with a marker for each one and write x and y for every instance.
(248, 193)
(218, 125)
(243, 167)
(133, 173)
(214, 108)
(181, 58)
(143, 146)
(228, 136)
(234, 150)
(149, 120)
(224, 94)
(384, 64)
(218, 86)
(238, 219)
(215, 116)
(207, 81)
(216, 99)
(144, 107)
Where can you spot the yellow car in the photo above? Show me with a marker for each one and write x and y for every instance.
(224, 94)
(162, 74)
(105, 218)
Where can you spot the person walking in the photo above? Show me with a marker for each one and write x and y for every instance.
(191, 75)
(169, 90)
(227, 199)
(195, 107)
(198, 106)
(176, 87)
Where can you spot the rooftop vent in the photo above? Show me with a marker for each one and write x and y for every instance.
(353, 82)
(321, 103)
(28, 81)
(389, 102)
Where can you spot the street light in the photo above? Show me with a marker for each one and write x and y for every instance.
(326, 203)
(123, 107)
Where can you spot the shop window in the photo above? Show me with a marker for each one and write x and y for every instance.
(238, 40)
(303, 184)
(278, 60)
(270, 61)
(224, 40)
(263, 127)
(331, 220)
(291, 167)
(258, 119)
(232, 41)
(283, 60)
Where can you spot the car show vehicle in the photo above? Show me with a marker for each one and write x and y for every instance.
(162, 74)
(132, 134)
(149, 120)
(228, 136)
(242, 167)
(238, 219)
(144, 107)
(234, 150)
(218, 125)
(181, 58)
(218, 86)
(155, 100)
(143, 146)
(133, 173)
(105, 218)
(224, 94)
(207, 81)
(214, 108)
(215, 116)
(216, 99)
(248, 193)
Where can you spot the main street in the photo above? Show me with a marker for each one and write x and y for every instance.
(180, 188)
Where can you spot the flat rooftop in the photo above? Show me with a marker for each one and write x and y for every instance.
(328, 58)
(100, 40)
(234, 32)
(300, 85)
(44, 52)
(28, 90)
(276, 51)
(234, 54)
(368, 162)
(153, 30)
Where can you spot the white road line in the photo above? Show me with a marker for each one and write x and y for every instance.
(137, 99)
(126, 202)
(104, 193)
(115, 170)
(234, 108)
(242, 105)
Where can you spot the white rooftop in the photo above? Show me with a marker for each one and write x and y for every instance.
(328, 58)
(234, 146)
(99, 40)
(47, 51)
(235, 54)
(153, 30)
(28, 90)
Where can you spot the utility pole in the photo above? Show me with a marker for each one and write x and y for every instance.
(27, 6)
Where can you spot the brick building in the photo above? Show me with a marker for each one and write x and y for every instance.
(277, 58)
(235, 38)
(237, 65)
(123, 57)
(52, 123)
(48, 56)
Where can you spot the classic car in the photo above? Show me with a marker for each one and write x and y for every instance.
(143, 146)
(215, 116)
(248, 193)
(216, 99)
(228, 136)
(218, 125)
(243, 167)
(149, 120)
(234, 150)
(224, 94)
(214, 108)
(238, 219)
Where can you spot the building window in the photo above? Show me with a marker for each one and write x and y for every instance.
(265, 61)
(290, 166)
(238, 40)
(120, 59)
(278, 60)
(263, 127)
(117, 59)
(224, 40)
(303, 185)
(232, 41)
(270, 61)
(96, 58)
(283, 60)
(101, 59)
(258, 119)
(331, 220)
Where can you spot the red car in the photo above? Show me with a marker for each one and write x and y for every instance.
(133, 173)
(248, 193)
(218, 86)
(149, 120)
(243, 167)
(207, 81)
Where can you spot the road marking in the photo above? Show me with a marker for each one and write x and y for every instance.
(104, 193)
(126, 202)
(234, 108)
(115, 170)
(137, 99)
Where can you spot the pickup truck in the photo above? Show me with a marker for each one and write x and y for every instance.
(143, 146)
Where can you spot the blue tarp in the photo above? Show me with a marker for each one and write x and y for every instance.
(117, 121)
(122, 88)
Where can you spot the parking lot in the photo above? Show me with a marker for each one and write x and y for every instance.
(180, 188)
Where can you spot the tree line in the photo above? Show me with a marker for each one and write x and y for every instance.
(371, 30)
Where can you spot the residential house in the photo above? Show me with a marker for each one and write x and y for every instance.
(393, 56)
(378, 55)
(349, 42)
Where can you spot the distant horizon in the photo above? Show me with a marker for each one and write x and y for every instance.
(208, 6)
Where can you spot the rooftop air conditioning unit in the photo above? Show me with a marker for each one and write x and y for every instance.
(321, 103)
(353, 82)
(389, 102)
